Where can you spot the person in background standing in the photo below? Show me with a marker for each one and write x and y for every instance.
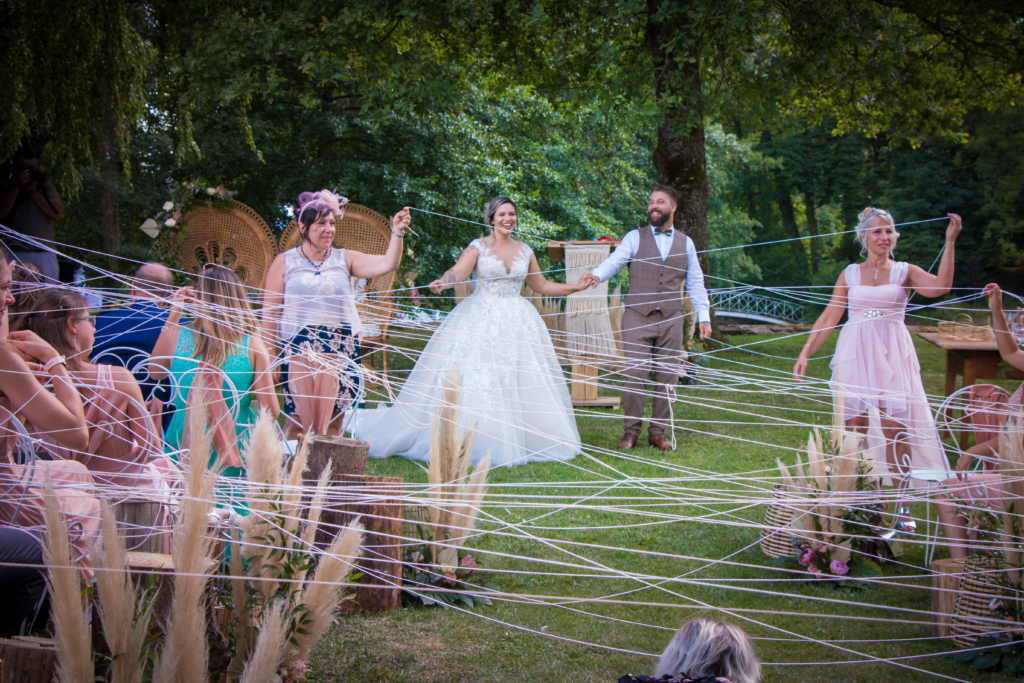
(29, 205)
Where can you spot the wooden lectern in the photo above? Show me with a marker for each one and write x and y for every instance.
(585, 366)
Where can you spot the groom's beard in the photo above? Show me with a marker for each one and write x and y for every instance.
(658, 219)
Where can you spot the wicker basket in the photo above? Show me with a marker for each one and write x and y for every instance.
(237, 239)
(971, 612)
(959, 329)
(981, 333)
(776, 541)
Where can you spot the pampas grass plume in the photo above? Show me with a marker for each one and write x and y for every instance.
(74, 640)
(270, 646)
(323, 593)
(185, 656)
(125, 634)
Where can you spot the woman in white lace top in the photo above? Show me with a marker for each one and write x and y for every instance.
(309, 311)
(514, 395)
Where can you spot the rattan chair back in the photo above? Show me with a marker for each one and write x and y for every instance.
(237, 239)
(364, 230)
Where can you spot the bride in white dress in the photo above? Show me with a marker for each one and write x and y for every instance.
(514, 394)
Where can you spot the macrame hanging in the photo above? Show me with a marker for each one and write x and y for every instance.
(587, 323)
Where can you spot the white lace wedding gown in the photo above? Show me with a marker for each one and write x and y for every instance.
(513, 391)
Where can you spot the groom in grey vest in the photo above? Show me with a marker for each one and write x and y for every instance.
(659, 257)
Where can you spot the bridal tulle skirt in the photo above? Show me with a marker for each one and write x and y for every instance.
(514, 394)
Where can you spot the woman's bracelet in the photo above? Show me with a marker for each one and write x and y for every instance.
(56, 360)
(397, 234)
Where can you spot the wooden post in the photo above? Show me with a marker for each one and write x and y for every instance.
(584, 385)
(141, 523)
(584, 379)
(377, 502)
(27, 660)
(945, 584)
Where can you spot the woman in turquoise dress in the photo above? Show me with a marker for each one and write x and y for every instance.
(217, 347)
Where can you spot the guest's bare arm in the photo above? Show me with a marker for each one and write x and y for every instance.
(263, 382)
(932, 286)
(273, 301)
(374, 265)
(823, 326)
(59, 414)
(1008, 348)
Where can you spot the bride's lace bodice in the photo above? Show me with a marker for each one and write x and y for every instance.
(490, 277)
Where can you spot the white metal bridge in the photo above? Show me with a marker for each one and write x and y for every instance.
(742, 303)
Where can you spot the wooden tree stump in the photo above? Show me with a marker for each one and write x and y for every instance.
(347, 456)
(945, 584)
(27, 660)
(377, 502)
(141, 522)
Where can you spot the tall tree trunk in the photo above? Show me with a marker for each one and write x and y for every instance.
(785, 201)
(812, 230)
(679, 157)
(109, 209)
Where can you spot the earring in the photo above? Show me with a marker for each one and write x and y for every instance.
(74, 342)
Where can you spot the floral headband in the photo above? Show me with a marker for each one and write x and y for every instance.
(323, 200)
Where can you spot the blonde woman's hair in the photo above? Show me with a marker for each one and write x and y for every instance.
(703, 647)
(864, 219)
(223, 316)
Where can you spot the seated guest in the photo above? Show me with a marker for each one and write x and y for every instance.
(22, 586)
(26, 286)
(220, 343)
(986, 489)
(123, 448)
(59, 413)
(137, 325)
(131, 332)
(706, 647)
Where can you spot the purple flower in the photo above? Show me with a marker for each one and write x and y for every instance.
(838, 567)
(806, 557)
(414, 293)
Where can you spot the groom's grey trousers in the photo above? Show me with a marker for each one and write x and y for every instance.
(652, 343)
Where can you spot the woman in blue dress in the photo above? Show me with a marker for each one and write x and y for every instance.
(219, 345)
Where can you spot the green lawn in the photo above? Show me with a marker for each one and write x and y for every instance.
(652, 569)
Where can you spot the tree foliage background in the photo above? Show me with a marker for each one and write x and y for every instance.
(802, 113)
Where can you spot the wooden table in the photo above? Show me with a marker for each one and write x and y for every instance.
(972, 360)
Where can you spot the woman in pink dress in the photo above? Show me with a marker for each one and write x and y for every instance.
(875, 365)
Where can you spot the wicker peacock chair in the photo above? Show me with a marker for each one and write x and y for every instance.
(237, 239)
(364, 230)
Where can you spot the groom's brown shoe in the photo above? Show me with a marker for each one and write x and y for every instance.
(628, 441)
(659, 441)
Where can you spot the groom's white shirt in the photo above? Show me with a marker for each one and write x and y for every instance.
(627, 249)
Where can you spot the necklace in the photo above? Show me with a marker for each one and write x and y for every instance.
(316, 266)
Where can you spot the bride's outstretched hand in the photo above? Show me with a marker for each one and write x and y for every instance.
(588, 281)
